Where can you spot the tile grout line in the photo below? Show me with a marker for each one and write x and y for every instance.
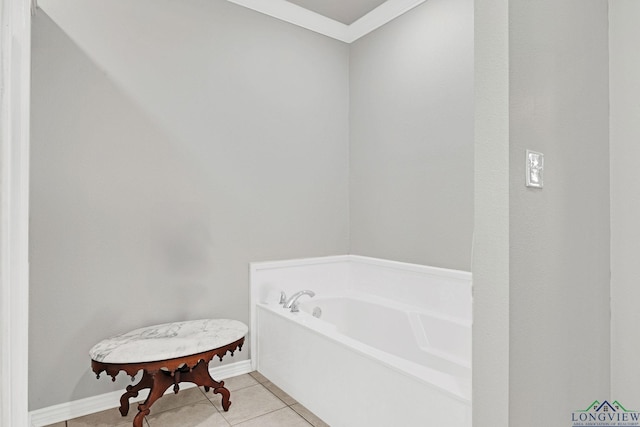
(261, 415)
(278, 397)
(271, 412)
(253, 418)
(258, 383)
(285, 404)
(306, 420)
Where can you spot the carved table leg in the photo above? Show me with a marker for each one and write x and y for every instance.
(160, 383)
(225, 396)
(200, 376)
(132, 391)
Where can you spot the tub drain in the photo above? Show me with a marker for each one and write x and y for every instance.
(317, 312)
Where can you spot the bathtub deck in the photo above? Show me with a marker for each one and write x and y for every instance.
(256, 402)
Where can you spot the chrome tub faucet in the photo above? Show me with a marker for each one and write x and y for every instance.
(292, 302)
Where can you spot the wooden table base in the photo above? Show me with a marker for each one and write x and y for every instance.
(158, 376)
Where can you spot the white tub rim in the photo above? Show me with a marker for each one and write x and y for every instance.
(379, 262)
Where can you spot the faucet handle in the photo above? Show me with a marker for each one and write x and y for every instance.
(283, 297)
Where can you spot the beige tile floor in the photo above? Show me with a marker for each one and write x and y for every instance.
(256, 402)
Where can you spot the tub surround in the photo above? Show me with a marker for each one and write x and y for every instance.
(384, 326)
(449, 290)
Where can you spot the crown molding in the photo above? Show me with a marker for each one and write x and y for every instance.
(386, 12)
(297, 15)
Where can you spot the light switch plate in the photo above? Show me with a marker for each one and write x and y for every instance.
(535, 169)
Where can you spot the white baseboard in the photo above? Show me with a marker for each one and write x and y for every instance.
(78, 408)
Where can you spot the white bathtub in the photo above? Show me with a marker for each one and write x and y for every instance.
(391, 347)
(433, 341)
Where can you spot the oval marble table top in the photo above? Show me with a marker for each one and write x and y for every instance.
(168, 341)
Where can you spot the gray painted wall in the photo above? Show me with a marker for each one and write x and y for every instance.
(624, 89)
(175, 142)
(412, 137)
(172, 144)
(490, 262)
(559, 236)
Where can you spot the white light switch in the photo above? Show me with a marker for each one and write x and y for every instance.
(535, 169)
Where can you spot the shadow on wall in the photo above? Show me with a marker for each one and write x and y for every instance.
(121, 228)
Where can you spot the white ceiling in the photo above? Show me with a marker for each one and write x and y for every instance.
(345, 11)
(344, 20)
